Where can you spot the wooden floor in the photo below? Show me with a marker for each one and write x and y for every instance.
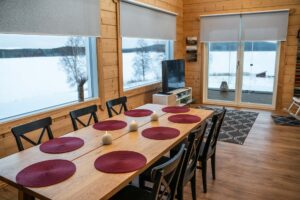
(266, 167)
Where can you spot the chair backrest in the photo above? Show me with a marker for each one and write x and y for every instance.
(189, 165)
(75, 114)
(20, 131)
(166, 176)
(212, 138)
(121, 102)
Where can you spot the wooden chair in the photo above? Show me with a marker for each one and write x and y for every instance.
(20, 131)
(165, 178)
(115, 102)
(92, 110)
(189, 166)
(208, 149)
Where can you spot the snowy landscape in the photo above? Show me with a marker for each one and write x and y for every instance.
(33, 83)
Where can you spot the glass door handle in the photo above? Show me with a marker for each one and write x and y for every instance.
(237, 65)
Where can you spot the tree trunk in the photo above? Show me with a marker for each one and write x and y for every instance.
(80, 91)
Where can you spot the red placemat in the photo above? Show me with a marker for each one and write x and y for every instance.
(176, 109)
(160, 133)
(110, 125)
(61, 145)
(46, 173)
(120, 162)
(184, 119)
(138, 113)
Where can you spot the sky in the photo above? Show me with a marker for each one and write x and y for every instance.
(12, 41)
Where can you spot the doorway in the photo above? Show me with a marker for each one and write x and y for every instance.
(242, 74)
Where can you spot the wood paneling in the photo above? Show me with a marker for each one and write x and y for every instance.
(192, 9)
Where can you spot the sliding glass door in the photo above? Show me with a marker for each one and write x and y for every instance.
(241, 73)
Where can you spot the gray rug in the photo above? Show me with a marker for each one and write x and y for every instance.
(236, 125)
(285, 120)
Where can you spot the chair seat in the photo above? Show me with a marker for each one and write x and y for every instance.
(133, 193)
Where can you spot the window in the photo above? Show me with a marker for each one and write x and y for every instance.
(142, 60)
(40, 72)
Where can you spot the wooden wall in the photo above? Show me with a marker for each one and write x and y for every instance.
(109, 70)
(192, 9)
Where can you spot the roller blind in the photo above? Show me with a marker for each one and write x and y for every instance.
(144, 22)
(244, 27)
(51, 17)
(220, 28)
(265, 26)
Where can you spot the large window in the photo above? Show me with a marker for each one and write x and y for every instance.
(142, 60)
(39, 72)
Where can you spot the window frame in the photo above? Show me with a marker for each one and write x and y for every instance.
(147, 86)
(93, 86)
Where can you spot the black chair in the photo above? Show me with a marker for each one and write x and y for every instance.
(116, 102)
(92, 110)
(20, 131)
(189, 165)
(208, 149)
(165, 178)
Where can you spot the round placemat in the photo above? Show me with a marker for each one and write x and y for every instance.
(61, 145)
(184, 119)
(110, 125)
(46, 173)
(160, 133)
(176, 109)
(120, 162)
(138, 113)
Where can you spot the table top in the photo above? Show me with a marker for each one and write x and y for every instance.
(87, 182)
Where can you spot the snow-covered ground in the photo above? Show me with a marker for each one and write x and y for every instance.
(19, 91)
(225, 62)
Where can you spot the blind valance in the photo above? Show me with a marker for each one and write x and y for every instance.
(144, 22)
(260, 26)
(50, 17)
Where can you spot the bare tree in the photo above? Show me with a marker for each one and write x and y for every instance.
(74, 65)
(141, 61)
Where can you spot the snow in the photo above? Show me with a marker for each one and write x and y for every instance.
(19, 91)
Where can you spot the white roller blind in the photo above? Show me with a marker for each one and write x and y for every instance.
(265, 26)
(143, 22)
(220, 28)
(51, 17)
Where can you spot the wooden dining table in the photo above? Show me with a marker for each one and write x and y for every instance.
(88, 182)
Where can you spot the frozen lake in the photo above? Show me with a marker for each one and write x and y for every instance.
(19, 92)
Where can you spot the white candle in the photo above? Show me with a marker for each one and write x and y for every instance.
(154, 116)
(133, 126)
(107, 138)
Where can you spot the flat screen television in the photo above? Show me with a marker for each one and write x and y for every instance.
(172, 75)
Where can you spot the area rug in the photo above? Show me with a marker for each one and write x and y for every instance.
(236, 125)
(285, 120)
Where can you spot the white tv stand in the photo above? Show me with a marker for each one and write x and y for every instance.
(182, 96)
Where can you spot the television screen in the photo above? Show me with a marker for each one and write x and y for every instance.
(173, 75)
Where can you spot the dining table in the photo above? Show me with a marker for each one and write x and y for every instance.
(87, 182)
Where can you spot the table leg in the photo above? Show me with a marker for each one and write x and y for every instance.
(24, 196)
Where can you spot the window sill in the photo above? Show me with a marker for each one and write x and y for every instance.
(143, 89)
(55, 113)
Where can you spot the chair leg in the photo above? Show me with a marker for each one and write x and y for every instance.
(193, 187)
(213, 166)
(203, 163)
(141, 182)
(180, 193)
